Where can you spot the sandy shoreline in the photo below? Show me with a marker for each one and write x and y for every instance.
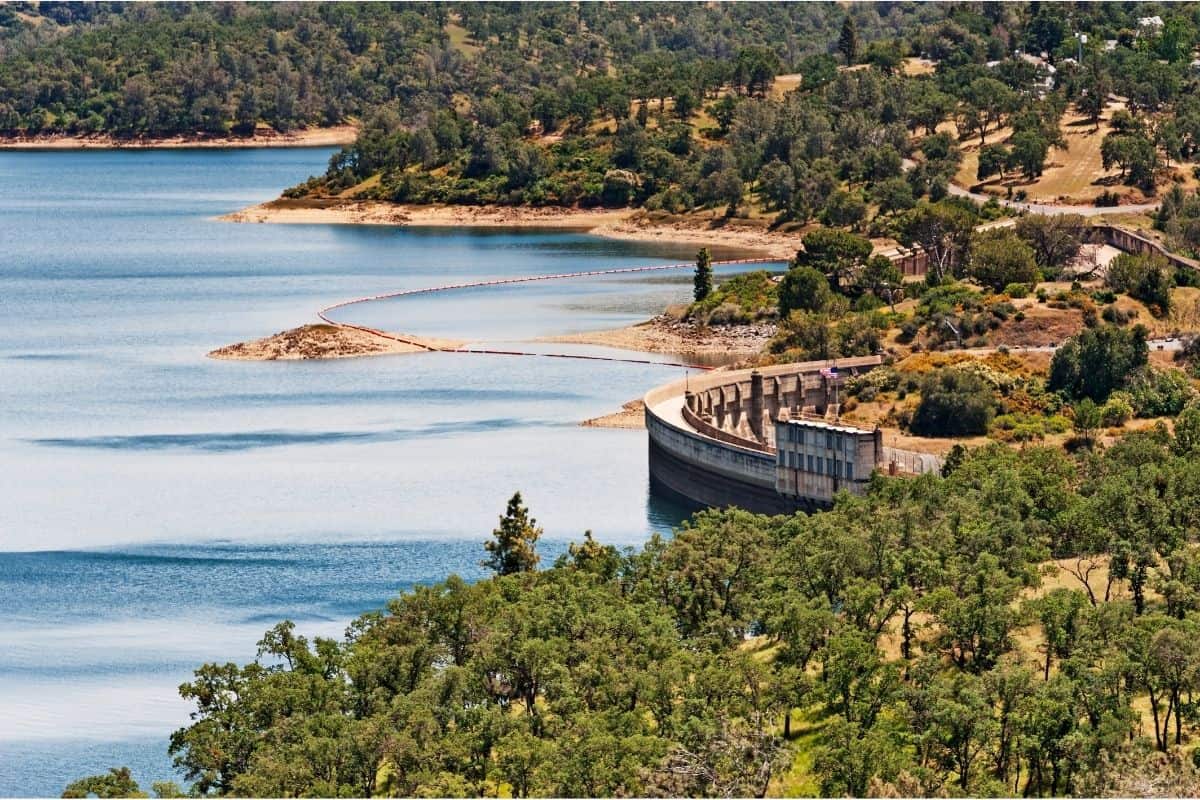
(626, 224)
(310, 137)
(310, 342)
(708, 346)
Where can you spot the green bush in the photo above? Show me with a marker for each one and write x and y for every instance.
(738, 299)
(1098, 361)
(1148, 278)
(1118, 410)
(947, 299)
(953, 403)
(1159, 392)
(1017, 291)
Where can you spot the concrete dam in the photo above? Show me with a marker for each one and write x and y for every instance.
(768, 440)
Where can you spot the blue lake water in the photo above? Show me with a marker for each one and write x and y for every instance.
(159, 509)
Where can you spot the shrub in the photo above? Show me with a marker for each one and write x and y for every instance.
(1118, 410)
(1017, 291)
(803, 289)
(1148, 278)
(740, 298)
(1000, 257)
(948, 298)
(953, 403)
(1098, 361)
(1159, 392)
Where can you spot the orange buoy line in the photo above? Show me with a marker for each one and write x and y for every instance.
(324, 312)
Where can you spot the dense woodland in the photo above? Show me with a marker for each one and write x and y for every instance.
(686, 129)
(922, 640)
(133, 69)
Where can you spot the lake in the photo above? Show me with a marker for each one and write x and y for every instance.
(159, 509)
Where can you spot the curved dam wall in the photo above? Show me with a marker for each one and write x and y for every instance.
(706, 464)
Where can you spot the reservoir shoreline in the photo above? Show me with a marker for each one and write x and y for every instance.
(624, 223)
(335, 136)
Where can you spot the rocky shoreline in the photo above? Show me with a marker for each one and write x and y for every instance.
(312, 342)
(710, 345)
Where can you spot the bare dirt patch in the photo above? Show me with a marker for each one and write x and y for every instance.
(1041, 327)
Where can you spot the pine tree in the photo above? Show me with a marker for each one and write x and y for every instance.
(848, 41)
(703, 280)
(514, 545)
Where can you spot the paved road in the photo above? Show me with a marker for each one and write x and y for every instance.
(1051, 208)
(1044, 208)
(1171, 345)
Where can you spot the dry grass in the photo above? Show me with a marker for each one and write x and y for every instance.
(786, 83)
(460, 40)
(1041, 327)
(1076, 175)
(918, 66)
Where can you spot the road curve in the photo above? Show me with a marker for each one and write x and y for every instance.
(1041, 208)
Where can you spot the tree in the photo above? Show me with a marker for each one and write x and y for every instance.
(755, 69)
(999, 257)
(953, 403)
(1029, 152)
(1093, 97)
(514, 544)
(962, 724)
(1097, 361)
(777, 184)
(1087, 419)
(881, 277)
(1060, 613)
(1134, 153)
(1187, 430)
(943, 231)
(848, 41)
(1146, 277)
(118, 782)
(702, 281)
(844, 208)
(993, 160)
(1055, 238)
(893, 195)
(885, 56)
(803, 289)
(838, 255)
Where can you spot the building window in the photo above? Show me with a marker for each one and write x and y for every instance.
(849, 471)
(800, 435)
(810, 463)
(829, 441)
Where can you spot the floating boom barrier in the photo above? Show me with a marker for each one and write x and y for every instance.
(449, 287)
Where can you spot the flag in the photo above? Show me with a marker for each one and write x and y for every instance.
(830, 372)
